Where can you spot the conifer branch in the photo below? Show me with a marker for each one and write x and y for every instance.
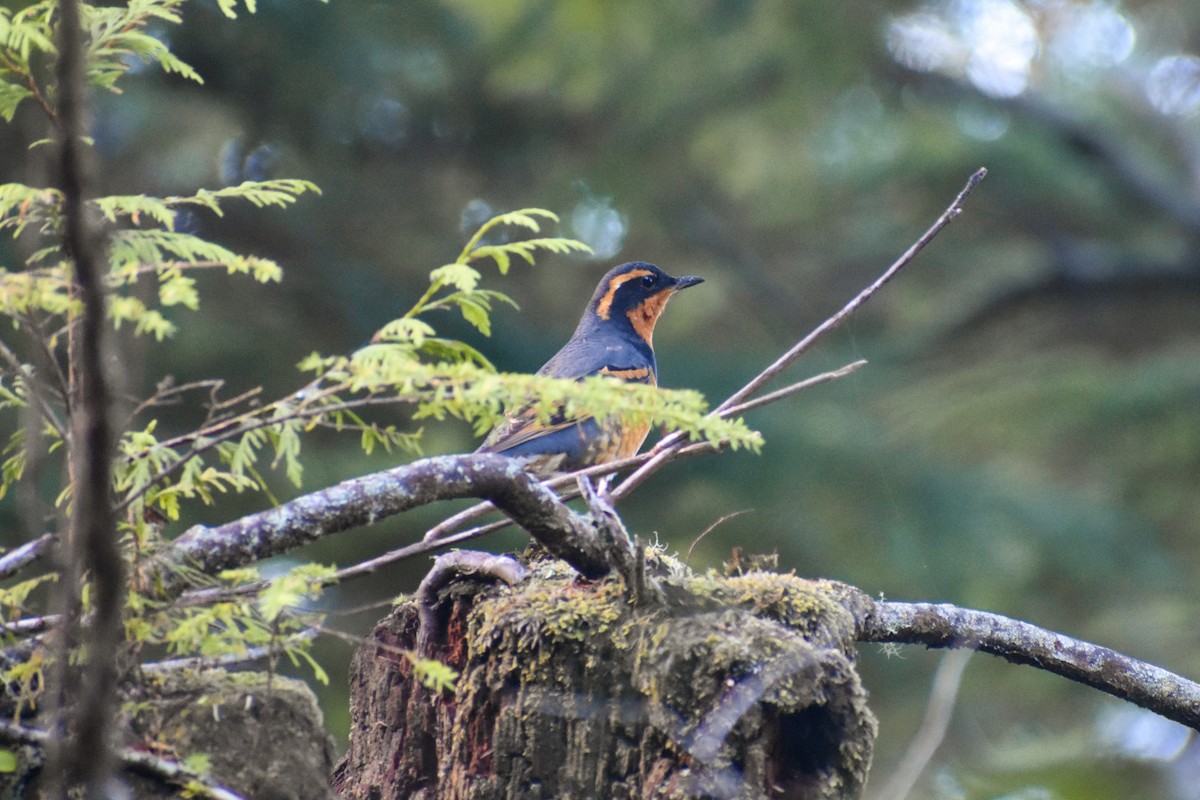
(567, 482)
(227, 660)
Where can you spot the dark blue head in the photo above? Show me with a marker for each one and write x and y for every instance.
(633, 296)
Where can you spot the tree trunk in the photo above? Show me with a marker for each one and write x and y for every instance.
(740, 687)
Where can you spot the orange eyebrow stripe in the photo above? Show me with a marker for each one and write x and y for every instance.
(604, 307)
(635, 374)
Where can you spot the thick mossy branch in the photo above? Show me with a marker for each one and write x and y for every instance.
(943, 625)
(362, 501)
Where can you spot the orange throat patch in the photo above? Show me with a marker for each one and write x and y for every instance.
(645, 314)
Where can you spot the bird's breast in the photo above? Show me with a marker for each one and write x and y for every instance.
(617, 440)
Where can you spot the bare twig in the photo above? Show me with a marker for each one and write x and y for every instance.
(16, 560)
(791, 389)
(45, 358)
(169, 392)
(941, 625)
(674, 441)
(627, 556)
(720, 521)
(932, 732)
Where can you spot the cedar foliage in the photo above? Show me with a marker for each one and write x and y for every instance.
(235, 443)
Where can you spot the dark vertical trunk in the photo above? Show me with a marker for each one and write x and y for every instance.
(741, 687)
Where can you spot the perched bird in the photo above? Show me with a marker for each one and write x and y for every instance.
(614, 337)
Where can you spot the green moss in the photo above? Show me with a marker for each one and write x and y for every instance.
(555, 611)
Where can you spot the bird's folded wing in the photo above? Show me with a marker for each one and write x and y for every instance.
(523, 426)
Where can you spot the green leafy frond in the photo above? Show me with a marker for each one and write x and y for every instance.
(433, 674)
(44, 290)
(21, 34)
(118, 35)
(456, 285)
(13, 598)
(522, 218)
(132, 252)
(281, 192)
(22, 206)
(263, 270)
(303, 583)
(177, 289)
(285, 439)
(460, 276)
(11, 96)
(25, 680)
(25, 31)
(136, 206)
(229, 7)
(477, 395)
(452, 350)
(406, 329)
(125, 309)
(276, 618)
(476, 307)
(502, 253)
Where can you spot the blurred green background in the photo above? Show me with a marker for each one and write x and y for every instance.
(1026, 438)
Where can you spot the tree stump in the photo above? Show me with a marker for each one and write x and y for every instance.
(740, 687)
(263, 735)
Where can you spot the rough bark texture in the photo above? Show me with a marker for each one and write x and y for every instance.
(264, 737)
(741, 687)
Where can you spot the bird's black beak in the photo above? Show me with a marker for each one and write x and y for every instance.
(686, 281)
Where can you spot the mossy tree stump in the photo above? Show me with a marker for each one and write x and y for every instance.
(740, 687)
(263, 736)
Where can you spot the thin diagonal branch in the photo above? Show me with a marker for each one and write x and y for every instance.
(932, 732)
(675, 440)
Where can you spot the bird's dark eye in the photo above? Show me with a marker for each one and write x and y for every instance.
(648, 281)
